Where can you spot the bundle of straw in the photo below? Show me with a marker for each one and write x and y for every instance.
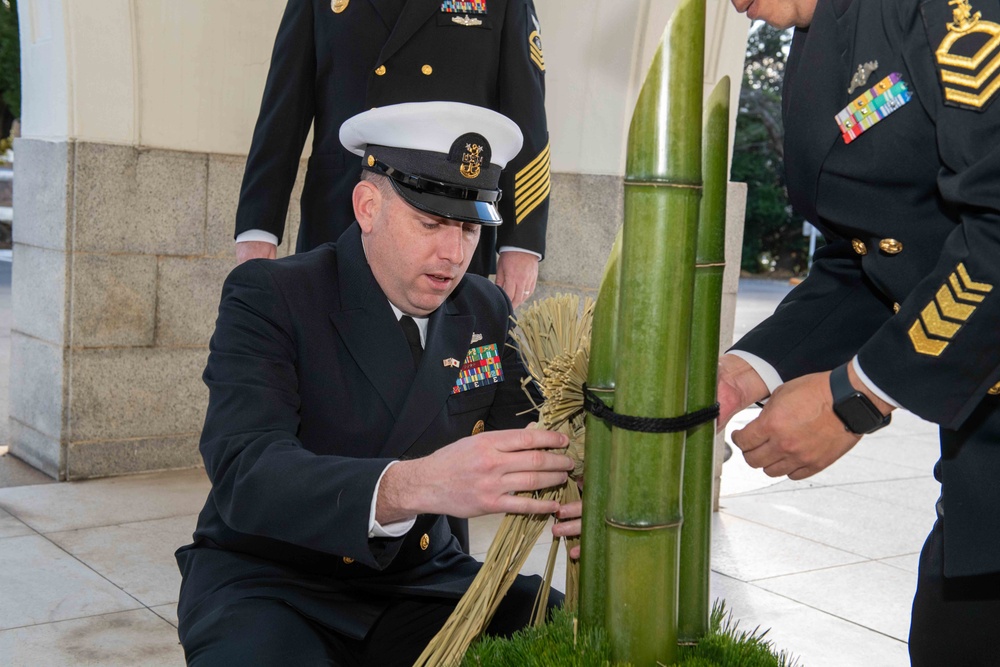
(553, 337)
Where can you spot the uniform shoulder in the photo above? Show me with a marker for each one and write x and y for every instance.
(479, 294)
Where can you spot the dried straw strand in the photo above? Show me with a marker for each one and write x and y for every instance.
(553, 337)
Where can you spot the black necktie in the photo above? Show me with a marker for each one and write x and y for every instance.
(412, 334)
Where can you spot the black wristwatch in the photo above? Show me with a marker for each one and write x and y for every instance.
(858, 413)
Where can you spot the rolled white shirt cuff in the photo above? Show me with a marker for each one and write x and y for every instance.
(764, 370)
(510, 248)
(257, 235)
(871, 385)
(395, 529)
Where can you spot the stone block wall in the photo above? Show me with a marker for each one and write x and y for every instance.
(119, 258)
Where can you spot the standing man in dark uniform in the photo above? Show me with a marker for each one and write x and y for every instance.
(892, 147)
(350, 388)
(335, 58)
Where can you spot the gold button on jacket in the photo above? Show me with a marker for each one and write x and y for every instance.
(427, 69)
(425, 541)
(890, 246)
(859, 246)
(348, 560)
(380, 70)
(994, 390)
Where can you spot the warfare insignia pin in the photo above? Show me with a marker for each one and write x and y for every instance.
(967, 55)
(471, 161)
(481, 368)
(476, 337)
(450, 362)
(860, 77)
(466, 20)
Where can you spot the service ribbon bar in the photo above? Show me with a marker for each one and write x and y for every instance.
(872, 106)
(480, 368)
(464, 6)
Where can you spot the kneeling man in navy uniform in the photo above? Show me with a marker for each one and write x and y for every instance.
(359, 393)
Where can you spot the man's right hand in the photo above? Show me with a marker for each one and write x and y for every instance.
(255, 250)
(477, 475)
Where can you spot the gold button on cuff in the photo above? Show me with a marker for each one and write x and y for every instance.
(348, 560)
(371, 160)
(994, 390)
(890, 246)
(859, 246)
(425, 541)
(380, 70)
(427, 69)
(895, 307)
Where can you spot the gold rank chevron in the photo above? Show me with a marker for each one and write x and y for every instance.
(531, 185)
(535, 50)
(946, 313)
(958, 70)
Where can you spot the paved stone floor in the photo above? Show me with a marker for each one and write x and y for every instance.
(87, 575)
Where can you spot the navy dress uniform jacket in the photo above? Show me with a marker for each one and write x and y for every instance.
(328, 66)
(910, 278)
(313, 392)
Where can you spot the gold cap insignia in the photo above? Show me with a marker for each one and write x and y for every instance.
(371, 160)
(340, 5)
(967, 82)
(479, 427)
(472, 161)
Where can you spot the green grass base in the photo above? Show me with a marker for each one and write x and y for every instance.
(560, 643)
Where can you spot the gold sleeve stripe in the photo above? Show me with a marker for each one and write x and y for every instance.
(530, 168)
(522, 212)
(540, 63)
(932, 320)
(969, 283)
(531, 185)
(961, 293)
(935, 325)
(952, 309)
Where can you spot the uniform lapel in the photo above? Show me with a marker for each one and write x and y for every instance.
(387, 11)
(415, 14)
(448, 336)
(367, 325)
(816, 81)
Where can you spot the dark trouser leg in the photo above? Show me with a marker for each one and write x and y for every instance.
(955, 621)
(262, 632)
(406, 628)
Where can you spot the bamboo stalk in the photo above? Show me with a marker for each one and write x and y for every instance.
(601, 380)
(662, 193)
(699, 448)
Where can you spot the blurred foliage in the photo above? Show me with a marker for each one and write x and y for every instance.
(772, 237)
(10, 65)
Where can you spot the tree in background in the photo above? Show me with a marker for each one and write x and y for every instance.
(772, 236)
(10, 66)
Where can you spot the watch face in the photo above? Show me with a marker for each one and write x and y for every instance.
(858, 414)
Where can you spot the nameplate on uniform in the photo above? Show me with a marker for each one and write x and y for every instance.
(874, 105)
(480, 368)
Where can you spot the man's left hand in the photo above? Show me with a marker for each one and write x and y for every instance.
(517, 273)
(797, 433)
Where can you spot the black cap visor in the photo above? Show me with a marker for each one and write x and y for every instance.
(442, 199)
